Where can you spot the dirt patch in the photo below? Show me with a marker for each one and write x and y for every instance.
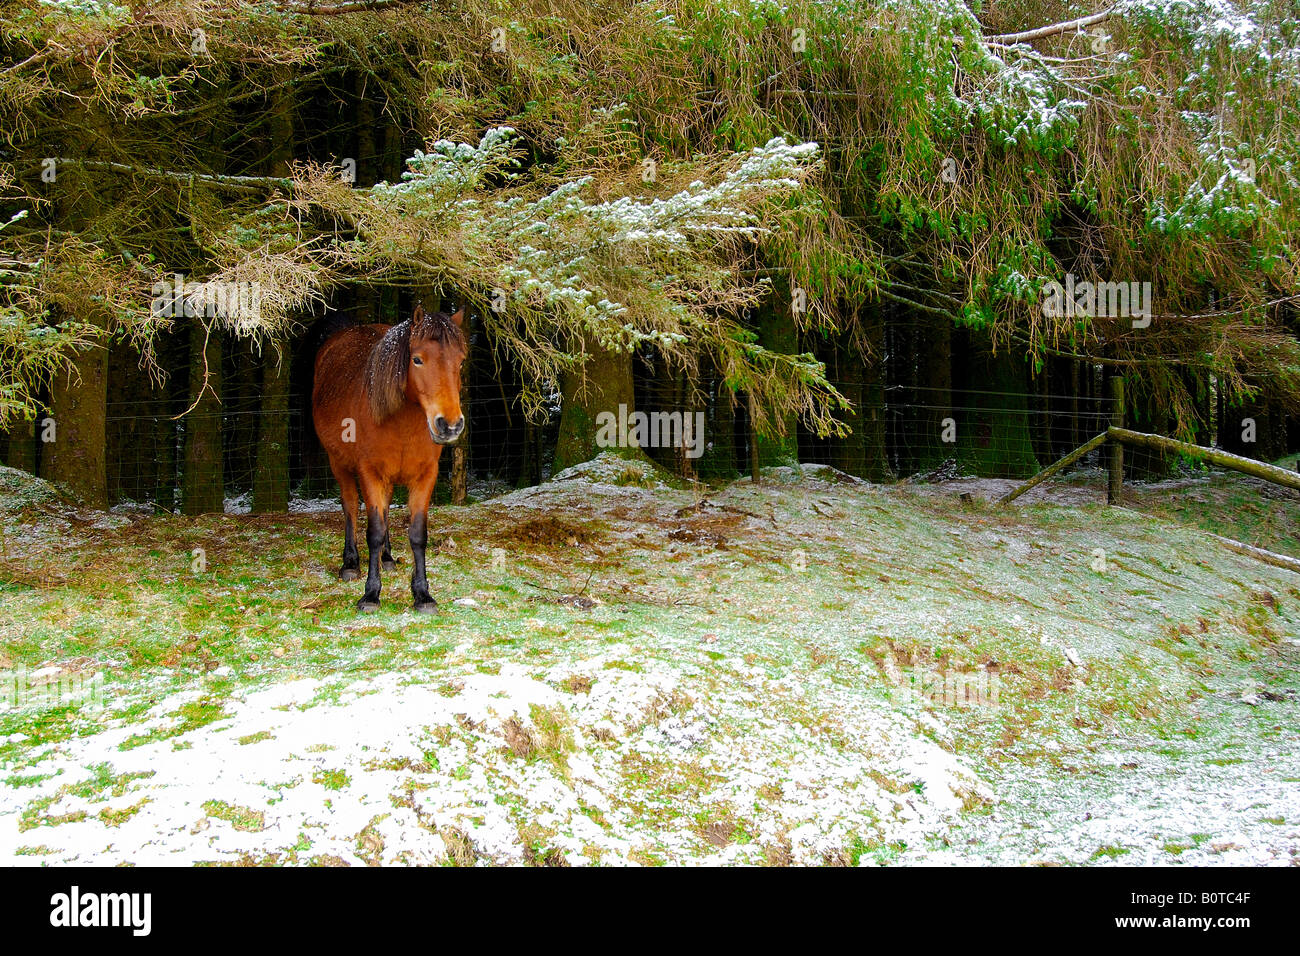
(551, 532)
(518, 739)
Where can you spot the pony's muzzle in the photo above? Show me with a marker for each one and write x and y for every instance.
(443, 433)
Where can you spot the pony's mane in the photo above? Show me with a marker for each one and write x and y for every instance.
(391, 355)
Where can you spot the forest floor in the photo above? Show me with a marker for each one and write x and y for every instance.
(810, 670)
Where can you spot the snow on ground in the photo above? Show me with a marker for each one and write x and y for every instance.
(398, 769)
(664, 675)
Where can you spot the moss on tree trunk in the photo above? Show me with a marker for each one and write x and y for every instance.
(76, 457)
(608, 384)
(993, 438)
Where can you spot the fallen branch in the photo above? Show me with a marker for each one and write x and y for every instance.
(1268, 557)
(1050, 31)
(1247, 466)
(258, 185)
(1050, 470)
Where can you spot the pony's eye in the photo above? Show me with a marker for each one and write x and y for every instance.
(417, 360)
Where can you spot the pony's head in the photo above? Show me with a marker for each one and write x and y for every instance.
(418, 361)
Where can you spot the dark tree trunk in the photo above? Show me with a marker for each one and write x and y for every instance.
(203, 482)
(720, 458)
(76, 457)
(271, 480)
(1147, 415)
(875, 451)
(933, 391)
(848, 453)
(368, 173)
(994, 439)
(460, 452)
(22, 446)
(776, 332)
(608, 385)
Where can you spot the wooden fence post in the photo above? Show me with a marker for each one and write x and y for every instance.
(1116, 487)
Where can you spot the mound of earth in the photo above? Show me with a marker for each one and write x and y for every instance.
(20, 491)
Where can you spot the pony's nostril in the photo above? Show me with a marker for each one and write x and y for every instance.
(440, 425)
(459, 426)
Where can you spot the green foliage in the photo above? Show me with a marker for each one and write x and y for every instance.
(957, 173)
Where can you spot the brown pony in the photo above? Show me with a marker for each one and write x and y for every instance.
(386, 398)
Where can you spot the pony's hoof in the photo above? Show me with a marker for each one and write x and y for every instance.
(349, 574)
(390, 565)
(367, 607)
(425, 607)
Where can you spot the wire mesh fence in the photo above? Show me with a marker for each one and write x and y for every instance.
(907, 431)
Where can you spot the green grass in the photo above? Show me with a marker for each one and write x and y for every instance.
(241, 818)
(938, 586)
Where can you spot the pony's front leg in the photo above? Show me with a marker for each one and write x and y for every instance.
(376, 493)
(376, 530)
(418, 505)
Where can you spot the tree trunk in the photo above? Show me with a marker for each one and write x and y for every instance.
(994, 440)
(78, 397)
(76, 457)
(875, 450)
(776, 332)
(719, 460)
(934, 391)
(203, 482)
(848, 453)
(22, 446)
(608, 385)
(367, 173)
(1076, 423)
(271, 480)
(1149, 463)
(460, 451)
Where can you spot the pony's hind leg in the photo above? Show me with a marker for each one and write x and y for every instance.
(351, 569)
(376, 494)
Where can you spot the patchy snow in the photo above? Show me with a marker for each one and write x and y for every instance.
(745, 683)
(411, 760)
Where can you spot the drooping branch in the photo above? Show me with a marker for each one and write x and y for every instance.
(1051, 30)
(256, 185)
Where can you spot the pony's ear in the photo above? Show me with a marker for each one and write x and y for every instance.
(458, 316)
(418, 315)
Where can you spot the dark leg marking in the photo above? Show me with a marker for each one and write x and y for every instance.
(375, 532)
(419, 536)
(388, 561)
(351, 559)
